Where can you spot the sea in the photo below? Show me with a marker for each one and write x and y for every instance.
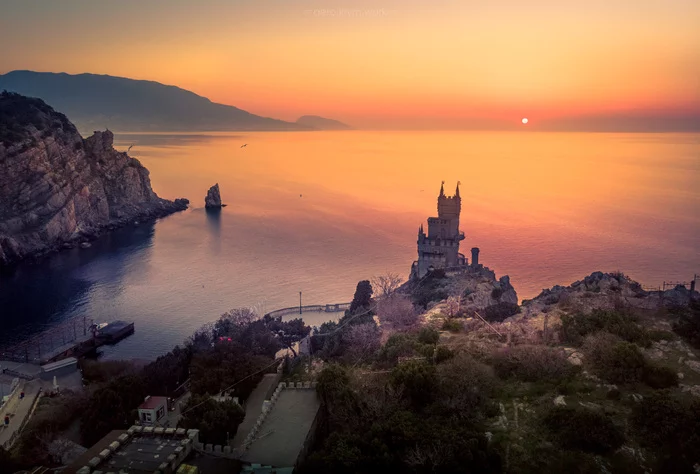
(309, 214)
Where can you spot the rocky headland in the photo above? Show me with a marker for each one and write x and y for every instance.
(59, 190)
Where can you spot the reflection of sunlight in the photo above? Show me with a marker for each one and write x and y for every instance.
(544, 208)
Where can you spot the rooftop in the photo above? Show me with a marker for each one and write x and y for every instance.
(151, 403)
(142, 454)
(138, 450)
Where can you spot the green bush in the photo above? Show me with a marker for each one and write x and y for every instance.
(613, 360)
(574, 328)
(406, 345)
(688, 324)
(660, 335)
(428, 336)
(499, 312)
(217, 422)
(532, 363)
(452, 325)
(669, 425)
(418, 378)
(658, 376)
(613, 394)
(443, 353)
(583, 429)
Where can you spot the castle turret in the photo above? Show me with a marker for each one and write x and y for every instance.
(440, 247)
(475, 257)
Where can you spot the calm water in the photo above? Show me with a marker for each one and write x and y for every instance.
(316, 212)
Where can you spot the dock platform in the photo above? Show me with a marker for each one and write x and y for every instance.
(75, 337)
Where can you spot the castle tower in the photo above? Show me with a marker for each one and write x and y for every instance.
(440, 247)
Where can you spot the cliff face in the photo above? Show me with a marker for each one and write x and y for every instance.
(57, 188)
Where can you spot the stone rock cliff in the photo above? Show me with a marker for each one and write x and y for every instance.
(57, 189)
(213, 197)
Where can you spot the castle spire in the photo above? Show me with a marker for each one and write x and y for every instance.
(442, 189)
(457, 191)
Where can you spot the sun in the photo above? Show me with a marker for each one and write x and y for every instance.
(524, 121)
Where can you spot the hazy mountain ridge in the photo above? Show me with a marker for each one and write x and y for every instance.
(322, 123)
(94, 101)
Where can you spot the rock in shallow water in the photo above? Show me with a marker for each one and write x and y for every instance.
(213, 198)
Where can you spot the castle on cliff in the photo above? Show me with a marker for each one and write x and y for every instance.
(440, 247)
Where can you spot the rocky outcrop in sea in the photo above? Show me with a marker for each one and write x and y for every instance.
(59, 190)
(213, 198)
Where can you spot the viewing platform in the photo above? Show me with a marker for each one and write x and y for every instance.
(75, 337)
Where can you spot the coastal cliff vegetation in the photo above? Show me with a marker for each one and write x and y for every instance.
(598, 376)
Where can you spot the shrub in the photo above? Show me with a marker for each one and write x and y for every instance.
(574, 328)
(398, 345)
(670, 425)
(614, 360)
(532, 363)
(418, 378)
(499, 312)
(428, 336)
(443, 353)
(104, 371)
(613, 394)
(582, 428)
(658, 376)
(688, 324)
(466, 385)
(216, 421)
(496, 293)
(659, 335)
(452, 325)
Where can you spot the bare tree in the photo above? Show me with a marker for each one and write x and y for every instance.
(362, 341)
(431, 456)
(452, 306)
(397, 311)
(385, 285)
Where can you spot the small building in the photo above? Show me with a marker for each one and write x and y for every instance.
(60, 368)
(153, 410)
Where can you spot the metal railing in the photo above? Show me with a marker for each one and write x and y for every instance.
(313, 308)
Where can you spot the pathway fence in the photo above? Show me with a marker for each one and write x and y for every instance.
(50, 342)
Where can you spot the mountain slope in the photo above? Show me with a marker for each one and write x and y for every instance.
(57, 189)
(321, 123)
(94, 102)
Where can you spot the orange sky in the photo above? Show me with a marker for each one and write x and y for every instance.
(376, 63)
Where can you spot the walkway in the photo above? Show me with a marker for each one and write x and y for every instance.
(283, 433)
(18, 410)
(253, 408)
